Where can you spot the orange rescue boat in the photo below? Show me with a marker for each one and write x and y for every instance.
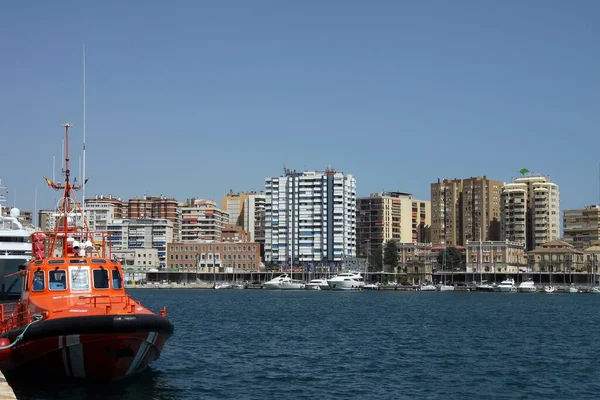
(74, 319)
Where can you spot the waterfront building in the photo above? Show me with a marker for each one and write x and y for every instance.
(495, 257)
(157, 207)
(214, 257)
(143, 260)
(530, 211)
(142, 233)
(465, 210)
(592, 258)
(581, 227)
(202, 220)
(557, 256)
(391, 216)
(310, 217)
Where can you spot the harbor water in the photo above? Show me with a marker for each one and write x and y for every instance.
(257, 344)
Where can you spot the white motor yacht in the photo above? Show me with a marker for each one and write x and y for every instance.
(283, 282)
(346, 281)
(571, 289)
(371, 286)
(484, 286)
(527, 287)
(507, 285)
(317, 284)
(595, 290)
(15, 250)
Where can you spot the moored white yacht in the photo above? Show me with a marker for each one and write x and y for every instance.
(15, 249)
(317, 284)
(507, 285)
(283, 282)
(445, 288)
(346, 281)
(484, 286)
(571, 289)
(527, 287)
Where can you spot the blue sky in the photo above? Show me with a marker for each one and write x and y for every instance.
(193, 98)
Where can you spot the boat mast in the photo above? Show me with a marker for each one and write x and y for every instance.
(83, 177)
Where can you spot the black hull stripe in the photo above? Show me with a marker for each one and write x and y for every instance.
(97, 324)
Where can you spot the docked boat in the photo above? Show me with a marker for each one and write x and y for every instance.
(595, 290)
(571, 289)
(507, 285)
(527, 287)
(445, 288)
(549, 289)
(74, 319)
(428, 287)
(317, 284)
(15, 249)
(346, 281)
(371, 286)
(484, 286)
(283, 282)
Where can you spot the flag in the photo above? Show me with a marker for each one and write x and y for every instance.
(50, 183)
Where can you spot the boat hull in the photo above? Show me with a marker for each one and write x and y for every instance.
(507, 289)
(88, 348)
(345, 285)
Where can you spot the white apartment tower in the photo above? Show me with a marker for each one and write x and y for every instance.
(310, 217)
(530, 209)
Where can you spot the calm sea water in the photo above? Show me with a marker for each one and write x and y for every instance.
(257, 344)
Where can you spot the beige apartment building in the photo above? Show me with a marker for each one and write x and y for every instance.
(581, 227)
(202, 220)
(234, 205)
(391, 216)
(157, 208)
(530, 211)
(214, 257)
(119, 207)
(465, 209)
(557, 256)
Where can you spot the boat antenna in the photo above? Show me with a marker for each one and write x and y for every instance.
(83, 178)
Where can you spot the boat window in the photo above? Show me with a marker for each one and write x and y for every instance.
(98, 261)
(38, 281)
(100, 278)
(80, 278)
(38, 262)
(116, 278)
(56, 261)
(57, 279)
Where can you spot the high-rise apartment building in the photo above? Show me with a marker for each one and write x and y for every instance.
(142, 233)
(530, 211)
(310, 217)
(254, 217)
(582, 227)
(234, 205)
(465, 209)
(157, 207)
(391, 216)
(202, 220)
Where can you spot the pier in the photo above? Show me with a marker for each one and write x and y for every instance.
(6, 392)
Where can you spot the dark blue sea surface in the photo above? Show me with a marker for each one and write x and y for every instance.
(257, 344)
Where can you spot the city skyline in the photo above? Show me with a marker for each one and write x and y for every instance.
(201, 98)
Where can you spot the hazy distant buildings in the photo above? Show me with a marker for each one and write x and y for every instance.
(391, 216)
(310, 217)
(530, 211)
(465, 210)
(582, 226)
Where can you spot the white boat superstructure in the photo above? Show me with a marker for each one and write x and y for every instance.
(15, 249)
(527, 287)
(571, 289)
(549, 289)
(283, 282)
(347, 281)
(445, 288)
(507, 285)
(317, 284)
